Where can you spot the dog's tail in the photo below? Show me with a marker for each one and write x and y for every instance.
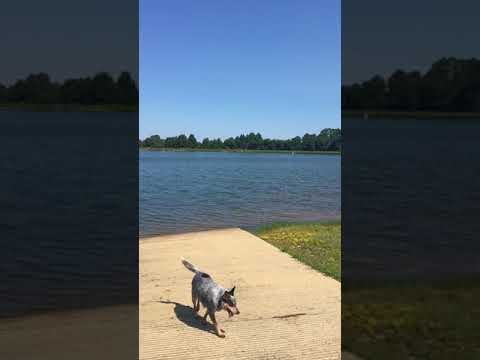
(189, 266)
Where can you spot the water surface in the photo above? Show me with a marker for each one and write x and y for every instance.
(68, 210)
(410, 198)
(191, 191)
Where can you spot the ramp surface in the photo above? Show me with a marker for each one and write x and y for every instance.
(288, 310)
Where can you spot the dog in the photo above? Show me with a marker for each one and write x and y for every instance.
(212, 296)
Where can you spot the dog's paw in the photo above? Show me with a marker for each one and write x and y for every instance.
(221, 335)
(221, 330)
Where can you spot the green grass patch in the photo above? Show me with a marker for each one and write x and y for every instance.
(424, 320)
(315, 244)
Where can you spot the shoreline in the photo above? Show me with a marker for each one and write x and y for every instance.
(68, 107)
(419, 115)
(186, 233)
(301, 152)
(254, 230)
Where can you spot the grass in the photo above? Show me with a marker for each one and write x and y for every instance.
(401, 320)
(242, 151)
(423, 320)
(315, 244)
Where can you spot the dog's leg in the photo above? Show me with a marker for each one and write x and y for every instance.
(217, 328)
(204, 319)
(196, 304)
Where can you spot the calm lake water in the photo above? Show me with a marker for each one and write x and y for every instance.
(190, 191)
(68, 210)
(410, 198)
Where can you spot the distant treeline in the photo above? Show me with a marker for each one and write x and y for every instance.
(100, 89)
(449, 85)
(326, 140)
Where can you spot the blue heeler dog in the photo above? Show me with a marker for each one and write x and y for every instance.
(212, 296)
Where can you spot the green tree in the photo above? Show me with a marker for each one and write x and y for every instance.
(253, 141)
(216, 144)
(327, 139)
(182, 141)
(404, 90)
(103, 87)
(308, 142)
(3, 94)
(171, 142)
(192, 141)
(296, 143)
(126, 90)
(77, 91)
(229, 143)
(374, 93)
(153, 141)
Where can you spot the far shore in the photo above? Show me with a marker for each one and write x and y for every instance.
(303, 152)
(375, 114)
(68, 107)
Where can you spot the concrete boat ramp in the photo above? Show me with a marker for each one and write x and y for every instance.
(288, 310)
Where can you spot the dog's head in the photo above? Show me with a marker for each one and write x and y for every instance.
(229, 302)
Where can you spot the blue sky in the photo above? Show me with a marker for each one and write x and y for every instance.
(219, 68)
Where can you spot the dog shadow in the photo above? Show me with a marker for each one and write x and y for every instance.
(186, 315)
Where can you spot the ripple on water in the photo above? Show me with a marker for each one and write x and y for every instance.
(182, 192)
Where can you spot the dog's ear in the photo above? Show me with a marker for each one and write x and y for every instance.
(232, 291)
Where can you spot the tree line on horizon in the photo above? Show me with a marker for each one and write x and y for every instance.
(101, 89)
(327, 140)
(450, 84)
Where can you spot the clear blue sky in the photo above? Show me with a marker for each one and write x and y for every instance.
(219, 68)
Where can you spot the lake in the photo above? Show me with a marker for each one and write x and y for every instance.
(410, 198)
(68, 210)
(192, 191)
